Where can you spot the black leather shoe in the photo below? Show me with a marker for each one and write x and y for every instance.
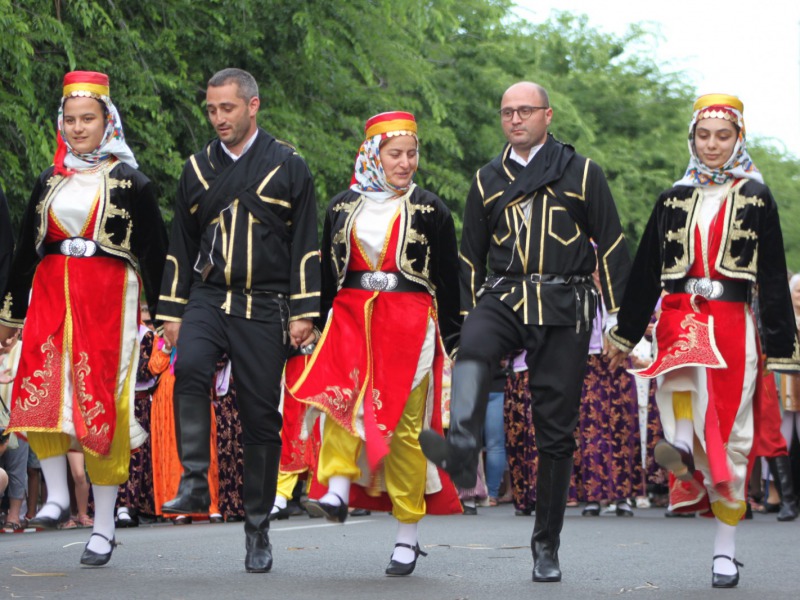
(259, 552)
(725, 581)
(469, 510)
(187, 505)
(50, 522)
(280, 514)
(439, 452)
(360, 512)
(623, 510)
(592, 509)
(90, 558)
(398, 569)
(125, 520)
(335, 514)
(545, 563)
(675, 459)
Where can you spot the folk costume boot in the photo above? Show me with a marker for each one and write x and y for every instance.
(458, 454)
(193, 429)
(261, 463)
(552, 491)
(780, 468)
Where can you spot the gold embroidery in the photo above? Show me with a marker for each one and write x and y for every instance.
(119, 183)
(39, 394)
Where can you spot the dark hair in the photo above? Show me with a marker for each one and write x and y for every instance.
(248, 88)
(102, 104)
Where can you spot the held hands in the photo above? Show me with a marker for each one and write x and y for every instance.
(171, 332)
(301, 333)
(615, 356)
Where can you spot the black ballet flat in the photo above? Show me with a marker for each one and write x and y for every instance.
(280, 514)
(335, 514)
(725, 581)
(398, 569)
(50, 522)
(592, 509)
(675, 459)
(90, 558)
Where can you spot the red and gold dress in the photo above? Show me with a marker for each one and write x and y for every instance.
(77, 370)
(709, 348)
(377, 347)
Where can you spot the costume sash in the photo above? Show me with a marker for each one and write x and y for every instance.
(237, 180)
(549, 165)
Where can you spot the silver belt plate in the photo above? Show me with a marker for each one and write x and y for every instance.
(378, 281)
(710, 289)
(78, 247)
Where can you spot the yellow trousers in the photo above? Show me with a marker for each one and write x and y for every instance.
(404, 467)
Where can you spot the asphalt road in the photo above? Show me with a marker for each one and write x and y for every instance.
(470, 558)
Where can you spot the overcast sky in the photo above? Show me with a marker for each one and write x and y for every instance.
(749, 49)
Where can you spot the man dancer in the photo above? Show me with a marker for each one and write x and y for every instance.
(242, 277)
(534, 211)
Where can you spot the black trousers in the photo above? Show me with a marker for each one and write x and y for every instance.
(556, 359)
(258, 351)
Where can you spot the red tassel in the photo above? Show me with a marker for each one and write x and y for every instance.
(60, 155)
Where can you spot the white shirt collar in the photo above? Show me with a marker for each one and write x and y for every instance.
(244, 149)
(517, 158)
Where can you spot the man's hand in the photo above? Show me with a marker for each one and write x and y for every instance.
(301, 333)
(171, 331)
(615, 356)
(7, 337)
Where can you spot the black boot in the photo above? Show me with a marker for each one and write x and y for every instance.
(780, 468)
(261, 463)
(552, 490)
(458, 455)
(193, 433)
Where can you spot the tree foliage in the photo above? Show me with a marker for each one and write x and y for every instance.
(325, 66)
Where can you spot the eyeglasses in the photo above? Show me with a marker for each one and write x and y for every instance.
(524, 112)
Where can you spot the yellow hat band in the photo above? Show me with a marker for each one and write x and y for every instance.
(389, 126)
(92, 88)
(718, 100)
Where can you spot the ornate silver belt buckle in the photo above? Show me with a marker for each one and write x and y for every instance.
(78, 248)
(378, 281)
(705, 287)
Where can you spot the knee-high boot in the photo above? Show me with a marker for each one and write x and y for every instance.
(552, 490)
(261, 464)
(780, 468)
(193, 433)
(458, 455)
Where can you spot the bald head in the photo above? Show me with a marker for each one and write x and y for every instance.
(525, 115)
(530, 89)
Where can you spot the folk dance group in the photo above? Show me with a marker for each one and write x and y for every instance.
(382, 307)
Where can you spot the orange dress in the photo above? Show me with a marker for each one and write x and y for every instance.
(167, 468)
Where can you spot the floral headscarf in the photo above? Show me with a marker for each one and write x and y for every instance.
(369, 177)
(739, 165)
(92, 85)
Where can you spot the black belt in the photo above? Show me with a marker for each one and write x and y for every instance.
(726, 290)
(380, 281)
(78, 247)
(545, 278)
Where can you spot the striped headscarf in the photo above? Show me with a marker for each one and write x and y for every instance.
(91, 85)
(739, 165)
(369, 177)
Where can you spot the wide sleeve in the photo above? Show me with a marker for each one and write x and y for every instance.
(605, 229)
(643, 289)
(14, 304)
(304, 279)
(474, 247)
(329, 285)
(445, 277)
(149, 240)
(779, 330)
(176, 281)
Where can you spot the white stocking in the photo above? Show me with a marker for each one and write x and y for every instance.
(54, 470)
(725, 544)
(406, 534)
(105, 497)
